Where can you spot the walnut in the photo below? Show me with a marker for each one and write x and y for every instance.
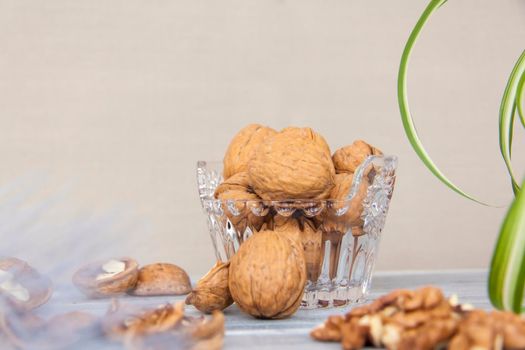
(348, 158)
(238, 182)
(107, 278)
(23, 286)
(426, 337)
(292, 164)
(268, 275)
(423, 319)
(495, 330)
(352, 334)
(330, 330)
(307, 133)
(344, 214)
(477, 331)
(238, 202)
(303, 231)
(401, 320)
(162, 327)
(513, 329)
(242, 148)
(211, 292)
(162, 279)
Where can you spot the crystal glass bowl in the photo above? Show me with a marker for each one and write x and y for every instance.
(340, 254)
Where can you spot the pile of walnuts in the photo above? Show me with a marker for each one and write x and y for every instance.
(292, 167)
(422, 319)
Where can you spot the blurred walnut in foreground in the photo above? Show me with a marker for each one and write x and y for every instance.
(422, 319)
(107, 278)
(165, 327)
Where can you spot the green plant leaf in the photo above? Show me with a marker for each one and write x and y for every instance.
(507, 269)
(519, 100)
(509, 104)
(406, 116)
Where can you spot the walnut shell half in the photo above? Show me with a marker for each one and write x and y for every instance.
(242, 148)
(22, 285)
(93, 281)
(212, 292)
(162, 279)
(268, 275)
(292, 164)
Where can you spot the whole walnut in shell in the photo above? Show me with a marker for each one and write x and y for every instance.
(237, 182)
(238, 199)
(308, 133)
(242, 148)
(212, 292)
(348, 158)
(292, 164)
(344, 214)
(268, 275)
(162, 279)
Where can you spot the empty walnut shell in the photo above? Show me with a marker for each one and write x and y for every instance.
(292, 165)
(36, 287)
(212, 292)
(348, 158)
(162, 279)
(87, 281)
(242, 147)
(343, 214)
(268, 275)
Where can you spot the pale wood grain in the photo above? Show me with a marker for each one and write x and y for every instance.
(244, 332)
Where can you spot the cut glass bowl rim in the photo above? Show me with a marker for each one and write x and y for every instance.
(358, 174)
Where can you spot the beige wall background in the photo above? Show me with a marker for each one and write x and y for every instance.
(105, 106)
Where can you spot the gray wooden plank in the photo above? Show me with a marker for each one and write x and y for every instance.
(243, 331)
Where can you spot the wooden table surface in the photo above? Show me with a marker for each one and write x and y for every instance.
(243, 331)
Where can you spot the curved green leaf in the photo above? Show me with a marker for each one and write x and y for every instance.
(519, 100)
(507, 270)
(404, 108)
(509, 103)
